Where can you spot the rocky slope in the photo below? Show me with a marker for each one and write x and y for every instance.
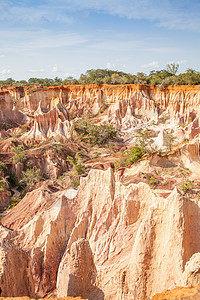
(128, 231)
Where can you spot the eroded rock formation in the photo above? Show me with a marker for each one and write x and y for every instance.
(132, 233)
(15, 271)
(52, 124)
(77, 272)
(128, 104)
(127, 233)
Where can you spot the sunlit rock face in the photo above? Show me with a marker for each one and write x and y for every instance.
(52, 124)
(10, 116)
(16, 277)
(116, 236)
(111, 240)
(181, 102)
(126, 106)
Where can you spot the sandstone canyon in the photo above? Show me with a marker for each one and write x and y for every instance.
(95, 219)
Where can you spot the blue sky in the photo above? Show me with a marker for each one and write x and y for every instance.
(61, 38)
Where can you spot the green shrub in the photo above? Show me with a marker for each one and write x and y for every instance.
(4, 183)
(152, 181)
(77, 163)
(31, 176)
(3, 166)
(171, 140)
(75, 182)
(187, 186)
(99, 135)
(135, 153)
(185, 172)
(19, 154)
(13, 179)
(58, 148)
(130, 156)
(13, 202)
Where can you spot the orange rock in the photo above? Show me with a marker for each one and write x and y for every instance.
(190, 293)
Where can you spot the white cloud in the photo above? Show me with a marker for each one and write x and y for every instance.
(163, 49)
(117, 43)
(153, 64)
(24, 39)
(5, 71)
(55, 69)
(182, 62)
(33, 14)
(37, 71)
(110, 65)
(174, 14)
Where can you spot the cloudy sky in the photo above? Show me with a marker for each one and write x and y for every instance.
(52, 38)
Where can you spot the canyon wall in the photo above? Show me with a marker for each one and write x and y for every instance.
(90, 98)
(108, 240)
(125, 106)
(116, 236)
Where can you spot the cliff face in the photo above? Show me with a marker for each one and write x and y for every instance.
(127, 104)
(108, 240)
(9, 111)
(125, 233)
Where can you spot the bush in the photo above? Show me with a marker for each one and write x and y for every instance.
(77, 163)
(130, 156)
(4, 183)
(58, 148)
(14, 201)
(13, 179)
(75, 182)
(31, 176)
(187, 186)
(99, 135)
(152, 181)
(3, 166)
(19, 154)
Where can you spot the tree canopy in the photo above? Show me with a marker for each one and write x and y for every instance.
(162, 78)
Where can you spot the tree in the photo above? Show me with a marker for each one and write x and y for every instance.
(115, 78)
(171, 140)
(31, 176)
(19, 154)
(141, 78)
(172, 68)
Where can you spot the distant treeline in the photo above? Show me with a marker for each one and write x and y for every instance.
(162, 78)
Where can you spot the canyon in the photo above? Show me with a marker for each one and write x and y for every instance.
(86, 219)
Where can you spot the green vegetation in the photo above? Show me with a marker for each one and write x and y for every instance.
(130, 156)
(58, 148)
(13, 202)
(185, 172)
(3, 166)
(152, 181)
(75, 182)
(77, 163)
(72, 177)
(4, 183)
(171, 140)
(187, 186)
(96, 135)
(19, 154)
(164, 77)
(30, 177)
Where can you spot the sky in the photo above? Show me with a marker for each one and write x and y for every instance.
(61, 38)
